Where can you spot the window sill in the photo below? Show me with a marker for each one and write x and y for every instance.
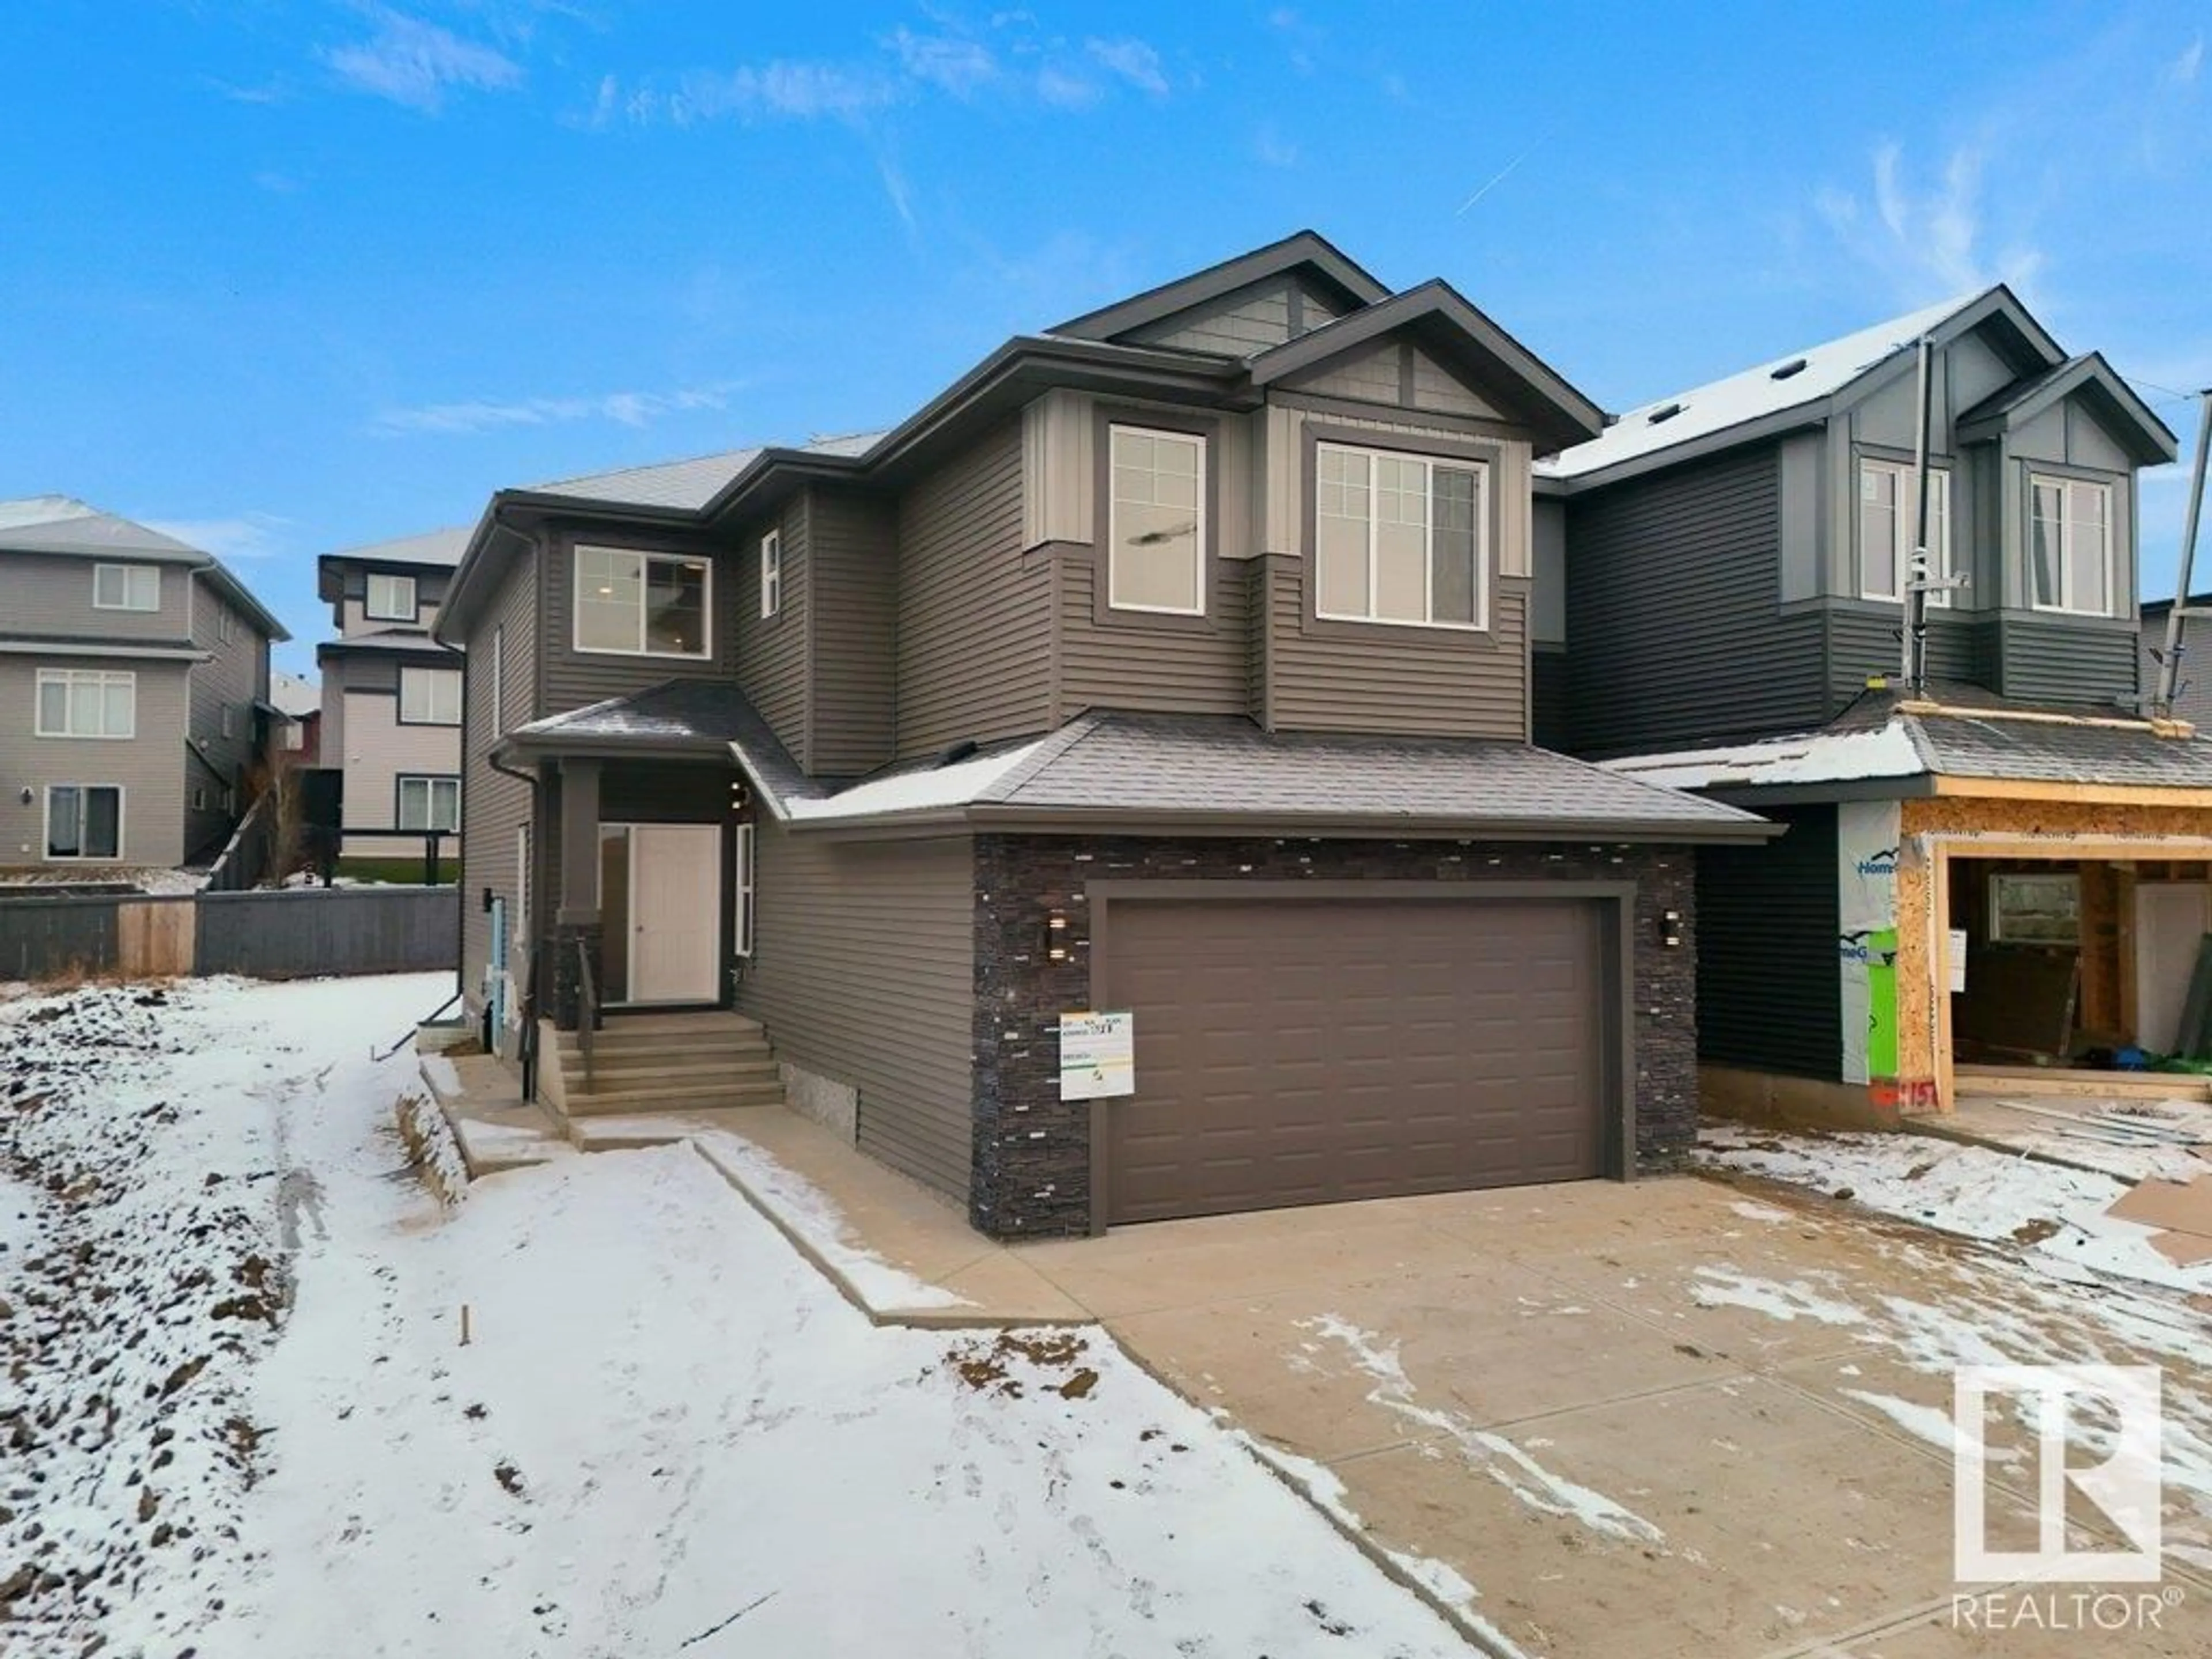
(86, 737)
(1438, 636)
(449, 726)
(647, 656)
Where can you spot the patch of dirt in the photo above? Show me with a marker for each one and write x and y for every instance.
(1013, 1362)
(2035, 1231)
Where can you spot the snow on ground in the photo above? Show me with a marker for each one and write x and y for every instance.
(663, 1432)
(2056, 1216)
(159, 881)
(148, 1194)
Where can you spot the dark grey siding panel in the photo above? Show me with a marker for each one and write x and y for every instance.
(1962, 648)
(55, 938)
(2060, 662)
(863, 972)
(311, 932)
(853, 588)
(574, 678)
(1547, 700)
(1165, 665)
(493, 803)
(772, 650)
(1674, 586)
(1863, 644)
(974, 624)
(1770, 982)
(1346, 677)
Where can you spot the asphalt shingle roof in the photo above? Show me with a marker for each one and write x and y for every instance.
(688, 484)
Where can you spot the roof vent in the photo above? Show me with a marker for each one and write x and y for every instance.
(1664, 413)
(1784, 371)
(963, 749)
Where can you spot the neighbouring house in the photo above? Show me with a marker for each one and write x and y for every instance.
(1172, 663)
(2192, 699)
(138, 668)
(392, 695)
(301, 701)
(1999, 864)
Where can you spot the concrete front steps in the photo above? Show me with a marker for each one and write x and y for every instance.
(644, 1063)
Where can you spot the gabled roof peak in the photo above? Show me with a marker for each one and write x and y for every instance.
(1303, 249)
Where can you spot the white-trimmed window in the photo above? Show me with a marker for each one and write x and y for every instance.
(84, 821)
(498, 682)
(429, 803)
(87, 702)
(743, 932)
(1156, 522)
(1887, 512)
(771, 574)
(1400, 538)
(390, 598)
(642, 605)
(226, 719)
(226, 624)
(127, 587)
(429, 696)
(2069, 540)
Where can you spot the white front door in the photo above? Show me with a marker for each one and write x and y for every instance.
(675, 911)
(2171, 918)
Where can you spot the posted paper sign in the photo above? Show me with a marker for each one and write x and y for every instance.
(1097, 1055)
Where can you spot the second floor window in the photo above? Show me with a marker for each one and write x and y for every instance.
(1887, 524)
(1156, 522)
(1399, 538)
(648, 604)
(498, 678)
(2071, 545)
(429, 696)
(127, 587)
(771, 574)
(87, 702)
(391, 599)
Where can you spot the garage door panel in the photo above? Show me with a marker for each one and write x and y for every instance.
(1298, 1052)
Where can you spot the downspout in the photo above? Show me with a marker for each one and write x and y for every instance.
(2169, 662)
(1914, 584)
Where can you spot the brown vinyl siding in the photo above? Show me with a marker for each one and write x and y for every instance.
(572, 678)
(863, 972)
(771, 650)
(52, 593)
(852, 566)
(149, 768)
(493, 803)
(975, 657)
(1351, 676)
(1169, 665)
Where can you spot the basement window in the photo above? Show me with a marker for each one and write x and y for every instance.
(2035, 910)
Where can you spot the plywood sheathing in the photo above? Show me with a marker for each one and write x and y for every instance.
(1917, 1016)
(1965, 815)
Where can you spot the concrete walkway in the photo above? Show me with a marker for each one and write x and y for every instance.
(1641, 1421)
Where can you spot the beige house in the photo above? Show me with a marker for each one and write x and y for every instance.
(135, 672)
(392, 695)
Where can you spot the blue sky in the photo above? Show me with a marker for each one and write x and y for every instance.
(288, 277)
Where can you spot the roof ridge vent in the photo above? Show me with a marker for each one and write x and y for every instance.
(1664, 413)
(1784, 371)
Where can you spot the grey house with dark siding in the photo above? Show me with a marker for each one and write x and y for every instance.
(1173, 662)
(1721, 574)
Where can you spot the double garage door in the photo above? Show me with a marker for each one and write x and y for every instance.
(1308, 1050)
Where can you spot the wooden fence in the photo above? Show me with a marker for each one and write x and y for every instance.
(295, 933)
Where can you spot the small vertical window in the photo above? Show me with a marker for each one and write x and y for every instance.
(227, 718)
(1156, 522)
(771, 573)
(497, 677)
(743, 929)
(522, 885)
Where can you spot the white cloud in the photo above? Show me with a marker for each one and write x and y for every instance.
(415, 63)
(246, 536)
(1133, 61)
(1927, 237)
(1064, 89)
(633, 408)
(953, 64)
(2183, 70)
(1273, 149)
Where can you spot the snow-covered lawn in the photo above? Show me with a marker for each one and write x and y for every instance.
(665, 1433)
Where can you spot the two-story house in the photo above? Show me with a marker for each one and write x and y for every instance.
(1172, 663)
(137, 671)
(1995, 860)
(392, 694)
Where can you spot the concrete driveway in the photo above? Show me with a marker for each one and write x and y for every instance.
(1639, 1421)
